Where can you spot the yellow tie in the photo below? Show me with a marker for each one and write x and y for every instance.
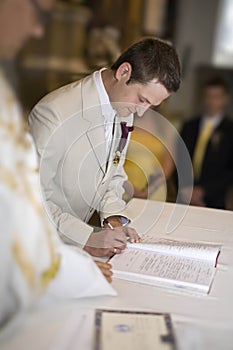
(200, 148)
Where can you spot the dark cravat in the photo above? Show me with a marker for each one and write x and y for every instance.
(124, 136)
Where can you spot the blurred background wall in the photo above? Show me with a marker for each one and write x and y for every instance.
(199, 25)
(85, 35)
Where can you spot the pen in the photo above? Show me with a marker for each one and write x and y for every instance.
(108, 224)
(112, 228)
(107, 261)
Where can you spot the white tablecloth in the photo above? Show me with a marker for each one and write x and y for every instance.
(201, 322)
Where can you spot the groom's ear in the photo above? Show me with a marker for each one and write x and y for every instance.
(123, 72)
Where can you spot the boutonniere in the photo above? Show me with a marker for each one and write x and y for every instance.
(215, 139)
(125, 130)
(117, 158)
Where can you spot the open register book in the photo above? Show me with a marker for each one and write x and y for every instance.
(169, 263)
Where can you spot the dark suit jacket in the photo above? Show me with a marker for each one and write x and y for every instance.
(217, 169)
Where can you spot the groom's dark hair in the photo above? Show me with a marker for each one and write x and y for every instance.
(152, 59)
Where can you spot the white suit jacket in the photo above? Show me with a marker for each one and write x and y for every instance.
(76, 175)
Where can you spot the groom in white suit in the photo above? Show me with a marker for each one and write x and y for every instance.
(81, 134)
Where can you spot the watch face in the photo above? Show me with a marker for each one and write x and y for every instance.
(123, 219)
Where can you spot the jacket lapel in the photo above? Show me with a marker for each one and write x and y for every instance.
(92, 112)
(114, 145)
(116, 140)
(216, 137)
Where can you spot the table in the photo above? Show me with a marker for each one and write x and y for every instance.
(201, 322)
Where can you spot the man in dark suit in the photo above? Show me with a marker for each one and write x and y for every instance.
(209, 140)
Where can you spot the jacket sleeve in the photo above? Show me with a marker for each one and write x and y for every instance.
(218, 190)
(44, 121)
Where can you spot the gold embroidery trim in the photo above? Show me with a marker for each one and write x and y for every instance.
(17, 135)
(51, 272)
(8, 178)
(26, 268)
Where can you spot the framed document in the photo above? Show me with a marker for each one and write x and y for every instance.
(133, 330)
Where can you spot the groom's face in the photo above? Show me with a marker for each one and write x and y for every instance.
(128, 98)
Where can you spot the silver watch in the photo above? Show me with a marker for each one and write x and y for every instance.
(123, 219)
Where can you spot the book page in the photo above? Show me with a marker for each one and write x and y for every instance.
(194, 250)
(154, 268)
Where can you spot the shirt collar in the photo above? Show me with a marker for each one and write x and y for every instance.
(216, 119)
(106, 106)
